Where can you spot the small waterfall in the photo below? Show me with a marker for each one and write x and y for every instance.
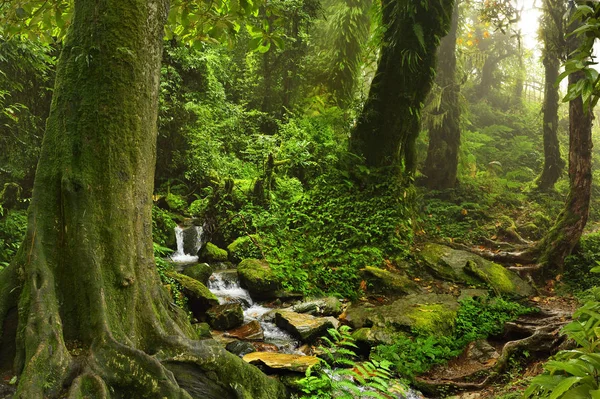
(189, 242)
(226, 287)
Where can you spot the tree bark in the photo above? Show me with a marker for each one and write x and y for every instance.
(441, 165)
(389, 124)
(93, 318)
(553, 34)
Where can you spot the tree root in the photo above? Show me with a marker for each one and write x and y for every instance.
(538, 333)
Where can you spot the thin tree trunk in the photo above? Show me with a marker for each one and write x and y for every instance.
(441, 165)
(389, 124)
(93, 318)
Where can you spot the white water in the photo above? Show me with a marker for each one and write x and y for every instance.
(226, 287)
(179, 255)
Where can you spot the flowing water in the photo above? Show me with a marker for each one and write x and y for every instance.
(179, 255)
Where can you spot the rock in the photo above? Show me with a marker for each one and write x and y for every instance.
(211, 253)
(258, 278)
(249, 332)
(462, 266)
(200, 299)
(244, 247)
(328, 306)
(225, 317)
(432, 314)
(303, 326)
(374, 336)
(199, 271)
(280, 361)
(192, 237)
(240, 348)
(384, 282)
(203, 330)
(481, 351)
(473, 293)
(265, 347)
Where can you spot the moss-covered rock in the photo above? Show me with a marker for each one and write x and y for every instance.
(203, 330)
(258, 278)
(303, 326)
(328, 306)
(431, 314)
(384, 282)
(370, 337)
(462, 266)
(200, 299)
(225, 317)
(244, 247)
(199, 271)
(211, 253)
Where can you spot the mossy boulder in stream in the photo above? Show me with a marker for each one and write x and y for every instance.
(381, 281)
(244, 247)
(465, 267)
(225, 317)
(258, 278)
(429, 314)
(199, 271)
(211, 253)
(200, 299)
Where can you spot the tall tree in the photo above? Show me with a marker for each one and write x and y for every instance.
(441, 165)
(389, 124)
(92, 314)
(554, 51)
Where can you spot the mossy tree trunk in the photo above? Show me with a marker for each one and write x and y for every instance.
(441, 165)
(554, 50)
(93, 318)
(390, 121)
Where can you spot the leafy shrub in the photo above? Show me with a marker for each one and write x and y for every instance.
(163, 226)
(577, 275)
(12, 231)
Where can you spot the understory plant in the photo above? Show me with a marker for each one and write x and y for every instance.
(340, 375)
(574, 373)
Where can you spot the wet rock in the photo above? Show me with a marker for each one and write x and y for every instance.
(462, 266)
(329, 306)
(240, 348)
(192, 237)
(280, 361)
(265, 347)
(384, 282)
(303, 326)
(203, 330)
(433, 314)
(249, 332)
(370, 337)
(200, 299)
(211, 253)
(199, 271)
(258, 278)
(225, 317)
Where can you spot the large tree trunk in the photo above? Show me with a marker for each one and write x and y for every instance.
(389, 124)
(553, 34)
(93, 318)
(441, 165)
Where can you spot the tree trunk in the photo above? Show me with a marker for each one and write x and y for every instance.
(93, 318)
(441, 165)
(553, 33)
(389, 124)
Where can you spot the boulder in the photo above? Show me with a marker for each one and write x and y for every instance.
(225, 317)
(249, 332)
(244, 247)
(481, 351)
(280, 361)
(192, 239)
(328, 306)
(240, 348)
(465, 267)
(303, 326)
(381, 281)
(211, 253)
(203, 330)
(431, 314)
(200, 299)
(199, 271)
(265, 347)
(258, 278)
(369, 337)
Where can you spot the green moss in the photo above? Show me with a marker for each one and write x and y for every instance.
(200, 272)
(244, 247)
(194, 287)
(383, 281)
(175, 202)
(434, 319)
(211, 253)
(257, 276)
(496, 276)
